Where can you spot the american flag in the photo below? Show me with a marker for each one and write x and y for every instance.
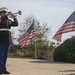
(26, 36)
(68, 26)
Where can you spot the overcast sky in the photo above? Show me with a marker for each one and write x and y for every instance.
(52, 12)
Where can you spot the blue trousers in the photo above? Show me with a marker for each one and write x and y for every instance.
(4, 49)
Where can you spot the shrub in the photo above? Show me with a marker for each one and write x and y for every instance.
(65, 51)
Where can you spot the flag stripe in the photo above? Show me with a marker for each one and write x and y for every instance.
(25, 34)
(24, 38)
(67, 28)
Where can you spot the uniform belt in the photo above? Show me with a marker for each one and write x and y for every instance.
(4, 29)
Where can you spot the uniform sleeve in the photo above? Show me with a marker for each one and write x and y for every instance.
(15, 22)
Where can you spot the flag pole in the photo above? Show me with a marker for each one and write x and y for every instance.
(35, 53)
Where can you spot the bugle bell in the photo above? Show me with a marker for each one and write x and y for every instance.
(19, 12)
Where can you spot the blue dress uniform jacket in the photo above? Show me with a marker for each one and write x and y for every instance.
(5, 23)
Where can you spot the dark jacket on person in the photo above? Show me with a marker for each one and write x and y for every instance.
(5, 23)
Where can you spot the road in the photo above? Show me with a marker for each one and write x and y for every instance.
(19, 66)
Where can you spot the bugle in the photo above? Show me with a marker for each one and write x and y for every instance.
(19, 12)
(10, 14)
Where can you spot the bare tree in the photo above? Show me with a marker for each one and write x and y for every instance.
(41, 30)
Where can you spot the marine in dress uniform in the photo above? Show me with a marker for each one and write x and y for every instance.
(5, 37)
